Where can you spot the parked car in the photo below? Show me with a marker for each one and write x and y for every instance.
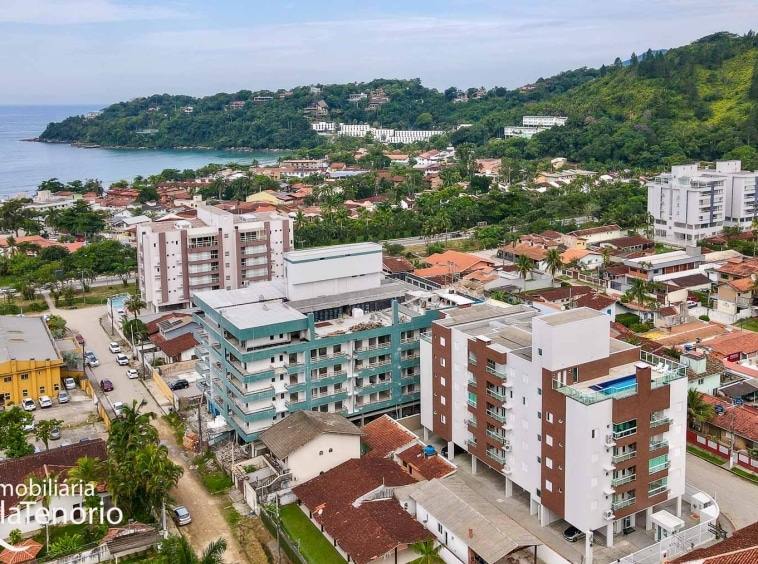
(180, 384)
(91, 359)
(122, 360)
(572, 534)
(55, 433)
(118, 408)
(45, 401)
(106, 385)
(29, 427)
(28, 404)
(114, 347)
(182, 516)
(132, 373)
(79, 339)
(63, 396)
(69, 383)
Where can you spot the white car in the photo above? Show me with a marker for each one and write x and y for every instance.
(28, 404)
(69, 383)
(45, 401)
(132, 373)
(114, 348)
(118, 407)
(122, 360)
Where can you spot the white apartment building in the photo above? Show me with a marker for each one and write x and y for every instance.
(389, 136)
(592, 429)
(216, 250)
(324, 127)
(350, 130)
(544, 121)
(690, 203)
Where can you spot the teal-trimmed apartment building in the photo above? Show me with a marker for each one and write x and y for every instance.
(355, 353)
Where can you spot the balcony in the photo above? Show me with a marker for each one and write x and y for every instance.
(427, 336)
(499, 458)
(657, 490)
(319, 377)
(495, 394)
(495, 372)
(655, 445)
(589, 397)
(620, 481)
(659, 467)
(471, 402)
(471, 423)
(471, 442)
(620, 504)
(472, 382)
(499, 438)
(496, 416)
(625, 433)
(659, 422)
(618, 458)
(374, 347)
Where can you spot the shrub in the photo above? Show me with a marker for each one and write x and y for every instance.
(628, 319)
(704, 318)
(37, 306)
(640, 327)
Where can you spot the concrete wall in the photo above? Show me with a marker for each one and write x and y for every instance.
(322, 454)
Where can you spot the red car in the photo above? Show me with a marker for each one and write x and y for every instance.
(106, 385)
(79, 339)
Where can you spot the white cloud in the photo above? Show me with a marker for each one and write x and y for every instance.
(74, 12)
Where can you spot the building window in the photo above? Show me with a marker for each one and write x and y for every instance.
(539, 492)
(548, 485)
(321, 453)
(331, 450)
(549, 440)
(539, 391)
(442, 400)
(439, 528)
(25, 376)
(25, 393)
(443, 420)
(548, 462)
(576, 374)
(549, 417)
(539, 352)
(442, 341)
(7, 379)
(42, 389)
(539, 415)
(442, 361)
(539, 438)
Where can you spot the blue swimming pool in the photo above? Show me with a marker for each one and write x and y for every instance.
(616, 386)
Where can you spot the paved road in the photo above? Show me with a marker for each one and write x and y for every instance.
(208, 523)
(737, 498)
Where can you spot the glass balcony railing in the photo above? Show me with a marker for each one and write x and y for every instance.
(617, 458)
(621, 503)
(621, 480)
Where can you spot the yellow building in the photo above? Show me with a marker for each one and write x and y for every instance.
(30, 363)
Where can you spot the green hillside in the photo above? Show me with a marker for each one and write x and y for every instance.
(696, 102)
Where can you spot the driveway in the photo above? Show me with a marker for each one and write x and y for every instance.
(737, 498)
(208, 523)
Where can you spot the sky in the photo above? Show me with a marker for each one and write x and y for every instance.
(105, 51)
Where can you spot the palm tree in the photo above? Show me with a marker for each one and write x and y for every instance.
(523, 266)
(135, 305)
(179, 551)
(430, 554)
(698, 410)
(553, 262)
(639, 292)
(41, 484)
(88, 472)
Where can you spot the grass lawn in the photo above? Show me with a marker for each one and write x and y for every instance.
(313, 544)
(98, 295)
(215, 481)
(706, 455)
(751, 324)
(745, 474)
(69, 529)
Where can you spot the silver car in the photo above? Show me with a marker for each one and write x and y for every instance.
(182, 516)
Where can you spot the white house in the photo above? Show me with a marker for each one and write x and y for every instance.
(308, 443)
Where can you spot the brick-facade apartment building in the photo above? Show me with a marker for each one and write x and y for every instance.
(591, 428)
(216, 250)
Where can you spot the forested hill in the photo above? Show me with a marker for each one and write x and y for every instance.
(698, 102)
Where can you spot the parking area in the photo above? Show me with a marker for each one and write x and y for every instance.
(79, 416)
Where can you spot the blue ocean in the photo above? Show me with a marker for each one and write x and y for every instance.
(23, 165)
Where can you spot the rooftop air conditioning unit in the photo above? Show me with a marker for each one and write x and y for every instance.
(608, 515)
(507, 447)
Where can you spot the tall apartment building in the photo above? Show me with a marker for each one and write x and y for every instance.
(334, 337)
(690, 203)
(591, 428)
(215, 250)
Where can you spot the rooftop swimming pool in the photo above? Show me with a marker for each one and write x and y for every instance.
(616, 386)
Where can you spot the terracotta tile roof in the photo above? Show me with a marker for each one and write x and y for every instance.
(595, 230)
(176, 346)
(518, 249)
(575, 254)
(740, 267)
(132, 528)
(372, 529)
(463, 261)
(562, 293)
(31, 548)
(397, 264)
(668, 311)
(742, 284)
(14, 471)
(152, 326)
(596, 302)
(618, 270)
(429, 467)
(740, 548)
(691, 281)
(384, 436)
(745, 418)
(735, 342)
(549, 234)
